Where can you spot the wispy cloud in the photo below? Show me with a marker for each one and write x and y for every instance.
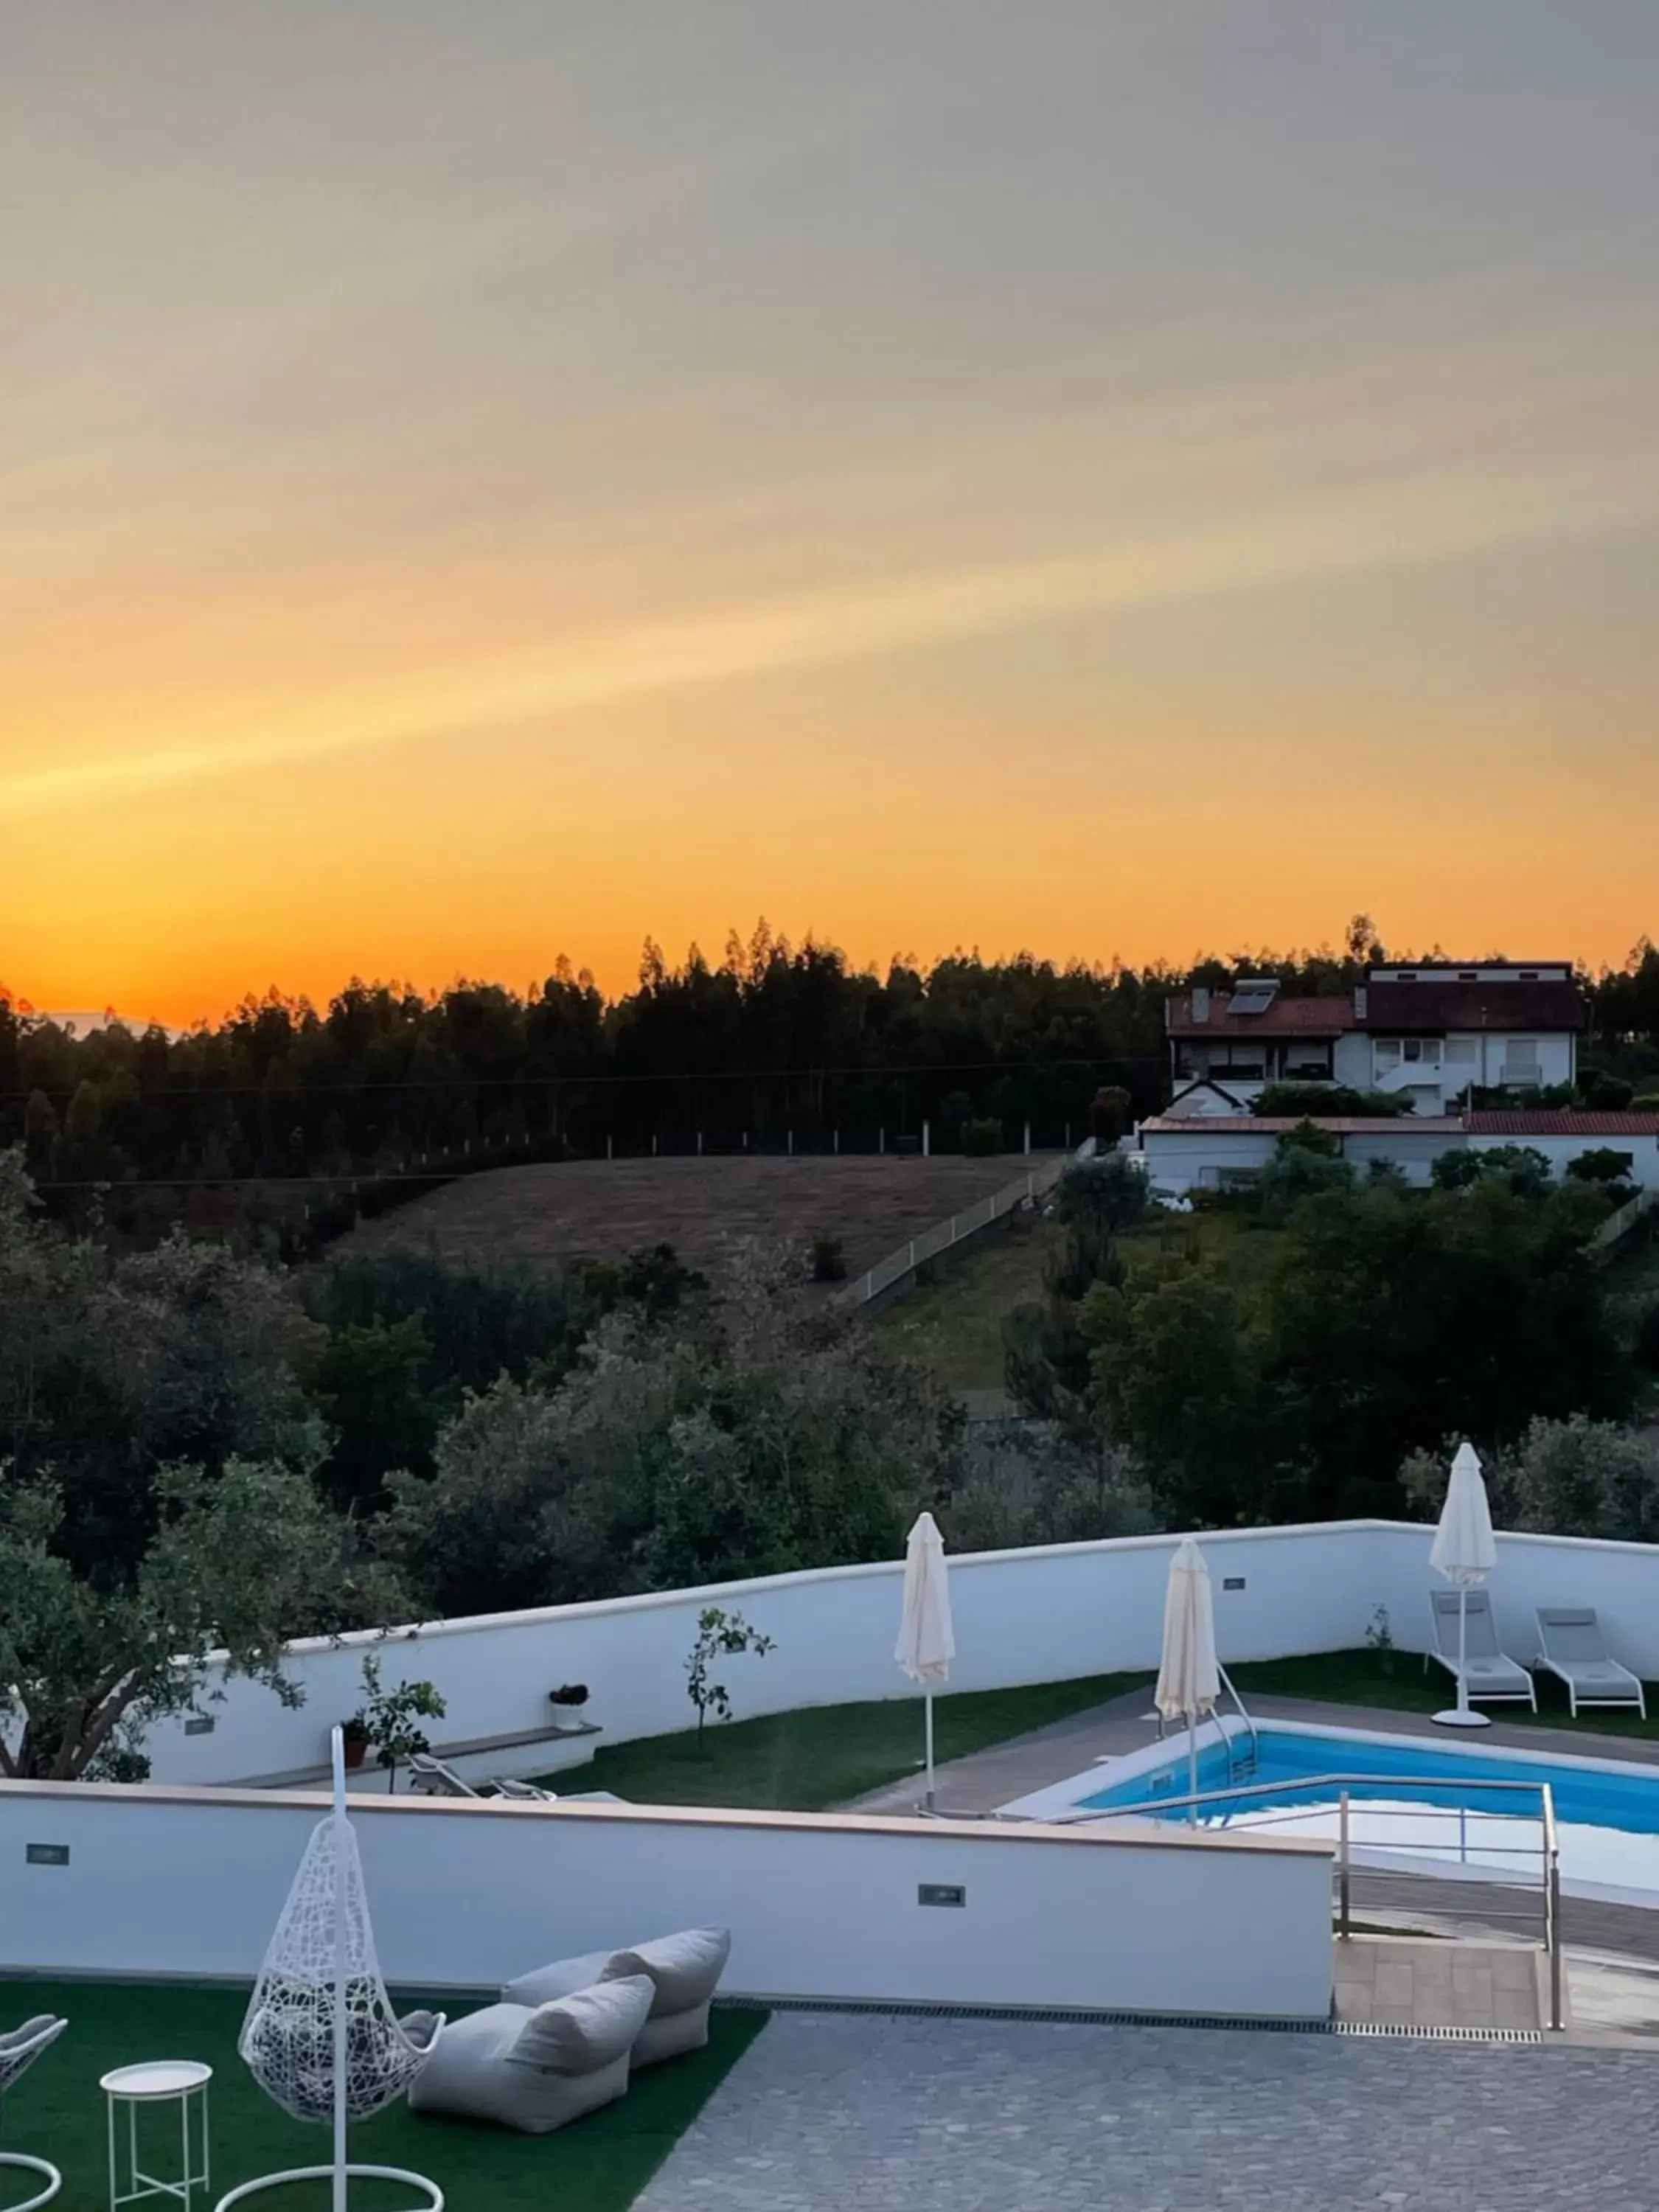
(1390, 525)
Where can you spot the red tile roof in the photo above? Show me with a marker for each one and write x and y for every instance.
(1433, 1006)
(1540, 1121)
(1277, 1125)
(1303, 1017)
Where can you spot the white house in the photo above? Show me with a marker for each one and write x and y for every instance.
(1428, 1029)
(1185, 1151)
(1561, 1138)
(1200, 1152)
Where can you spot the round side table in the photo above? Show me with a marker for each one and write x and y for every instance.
(180, 2082)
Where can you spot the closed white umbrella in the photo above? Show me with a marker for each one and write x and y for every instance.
(1465, 1553)
(1189, 1677)
(926, 1643)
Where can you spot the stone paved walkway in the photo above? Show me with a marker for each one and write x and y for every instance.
(867, 2113)
(1393, 1981)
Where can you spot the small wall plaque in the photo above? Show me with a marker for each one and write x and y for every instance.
(46, 1854)
(199, 1724)
(1232, 1582)
(941, 1893)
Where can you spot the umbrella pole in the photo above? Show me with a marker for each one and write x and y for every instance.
(1192, 1770)
(1462, 1647)
(928, 1703)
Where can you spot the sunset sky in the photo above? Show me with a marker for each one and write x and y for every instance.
(480, 482)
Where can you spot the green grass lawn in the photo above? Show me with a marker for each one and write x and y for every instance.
(803, 1761)
(952, 1325)
(1397, 1681)
(599, 2164)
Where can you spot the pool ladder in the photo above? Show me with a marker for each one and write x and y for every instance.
(1244, 1748)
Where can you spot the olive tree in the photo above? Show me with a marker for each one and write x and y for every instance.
(237, 1564)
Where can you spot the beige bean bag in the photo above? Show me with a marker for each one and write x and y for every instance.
(684, 1970)
(537, 2068)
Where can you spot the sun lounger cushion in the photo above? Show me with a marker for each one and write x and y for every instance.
(537, 2068)
(684, 1970)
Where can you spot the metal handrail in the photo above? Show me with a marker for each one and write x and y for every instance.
(1231, 1689)
(1552, 1905)
(1329, 1783)
(1549, 1850)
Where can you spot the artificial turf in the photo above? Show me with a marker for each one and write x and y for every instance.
(57, 2112)
(823, 1755)
(1398, 1681)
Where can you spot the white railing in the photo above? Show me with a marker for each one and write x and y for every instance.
(1491, 1845)
(1621, 1223)
(908, 1257)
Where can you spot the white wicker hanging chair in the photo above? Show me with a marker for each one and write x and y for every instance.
(320, 2036)
(19, 2049)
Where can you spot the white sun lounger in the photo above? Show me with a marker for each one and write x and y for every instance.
(430, 1776)
(1491, 1674)
(1570, 1644)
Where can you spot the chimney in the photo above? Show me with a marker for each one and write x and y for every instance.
(1200, 1002)
(1359, 1002)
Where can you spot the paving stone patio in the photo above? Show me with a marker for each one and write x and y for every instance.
(868, 2113)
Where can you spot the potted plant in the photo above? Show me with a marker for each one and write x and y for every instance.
(354, 1737)
(390, 1719)
(568, 1693)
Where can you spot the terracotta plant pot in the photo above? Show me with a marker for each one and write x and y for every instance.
(356, 1749)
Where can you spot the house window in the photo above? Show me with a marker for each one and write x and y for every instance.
(1460, 1049)
(1407, 976)
(1522, 1065)
(1468, 975)
(1391, 1051)
(1529, 975)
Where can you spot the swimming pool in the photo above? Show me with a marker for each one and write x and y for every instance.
(1607, 1815)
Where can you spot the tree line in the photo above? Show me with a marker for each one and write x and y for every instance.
(776, 1045)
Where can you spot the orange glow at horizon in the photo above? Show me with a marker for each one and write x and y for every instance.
(467, 499)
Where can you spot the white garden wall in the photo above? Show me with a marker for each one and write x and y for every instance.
(1043, 1615)
(191, 1884)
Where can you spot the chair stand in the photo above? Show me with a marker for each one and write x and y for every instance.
(431, 2197)
(17, 2162)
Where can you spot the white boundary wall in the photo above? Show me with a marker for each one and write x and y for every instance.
(191, 1884)
(1043, 1615)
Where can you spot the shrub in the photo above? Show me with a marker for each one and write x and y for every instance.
(829, 1258)
(1646, 1346)
(1584, 1478)
(1305, 1163)
(1296, 1101)
(1456, 1169)
(1109, 1193)
(1521, 1167)
(1607, 1094)
(981, 1140)
(1604, 1165)
(720, 1635)
(1646, 1102)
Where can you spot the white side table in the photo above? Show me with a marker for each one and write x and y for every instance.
(181, 2081)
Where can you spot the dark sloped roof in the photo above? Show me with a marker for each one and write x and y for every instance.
(1304, 1017)
(1436, 1006)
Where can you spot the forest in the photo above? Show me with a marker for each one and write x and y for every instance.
(780, 1045)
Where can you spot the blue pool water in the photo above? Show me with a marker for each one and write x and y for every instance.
(1424, 1801)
